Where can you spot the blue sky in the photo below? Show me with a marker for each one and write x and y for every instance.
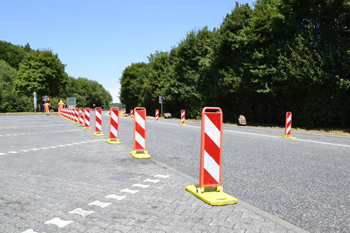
(99, 39)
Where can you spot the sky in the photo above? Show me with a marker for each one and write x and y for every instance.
(97, 40)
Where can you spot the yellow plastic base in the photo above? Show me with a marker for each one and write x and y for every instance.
(86, 128)
(98, 134)
(140, 155)
(76, 123)
(287, 137)
(182, 124)
(211, 195)
(156, 121)
(113, 141)
(80, 125)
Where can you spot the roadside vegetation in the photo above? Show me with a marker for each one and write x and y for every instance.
(23, 71)
(261, 62)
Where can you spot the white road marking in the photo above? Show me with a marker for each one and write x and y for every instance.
(57, 221)
(82, 212)
(113, 196)
(141, 185)
(29, 231)
(129, 191)
(162, 176)
(46, 132)
(45, 148)
(100, 204)
(16, 127)
(264, 135)
(153, 181)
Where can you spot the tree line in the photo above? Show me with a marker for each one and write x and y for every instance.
(24, 70)
(278, 56)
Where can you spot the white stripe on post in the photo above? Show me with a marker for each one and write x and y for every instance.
(98, 125)
(211, 166)
(114, 117)
(139, 120)
(98, 115)
(114, 131)
(212, 131)
(139, 139)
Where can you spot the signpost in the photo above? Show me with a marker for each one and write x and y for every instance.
(161, 101)
(35, 101)
(71, 102)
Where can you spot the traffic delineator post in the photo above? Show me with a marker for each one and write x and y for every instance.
(70, 114)
(124, 113)
(131, 114)
(209, 189)
(81, 117)
(98, 122)
(140, 127)
(157, 115)
(288, 129)
(76, 116)
(87, 125)
(182, 118)
(114, 126)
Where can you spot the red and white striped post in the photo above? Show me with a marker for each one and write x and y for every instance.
(124, 113)
(70, 114)
(98, 122)
(182, 117)
(211, 149)
(87, 125)
(114, 126)
(157, 115)
(209, 188)
(139, 151)
(288, 129)
(76, 116)
(131, 114)
(81, 117)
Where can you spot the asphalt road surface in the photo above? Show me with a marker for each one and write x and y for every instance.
(304, 181)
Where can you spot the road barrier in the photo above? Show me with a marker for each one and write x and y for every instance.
(72, 114)
(87, 125)
(98, 122)
(131, 114)
(182, 117)
(81, 117)
(114, 126)
(139, 151)
(63, 113)
(287, 132)
(157, 115)
(209, 188)
(124, 113)
(76, 116)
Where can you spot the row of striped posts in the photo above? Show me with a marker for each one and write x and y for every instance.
(209, 188)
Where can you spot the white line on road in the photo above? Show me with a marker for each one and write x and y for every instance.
(45, 148)
(100, 204)
(62, 131)
(113, 196)
(264, 135)
(58, 222)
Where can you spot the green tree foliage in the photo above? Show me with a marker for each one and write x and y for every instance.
(13, 54)
(10, 101)
(87, 92)
(281, 55)
(43, 72)
(23, 71)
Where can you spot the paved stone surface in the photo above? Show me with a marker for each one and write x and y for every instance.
(58, 170)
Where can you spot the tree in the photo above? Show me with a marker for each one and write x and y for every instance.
(43, 72)
(9, 100)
